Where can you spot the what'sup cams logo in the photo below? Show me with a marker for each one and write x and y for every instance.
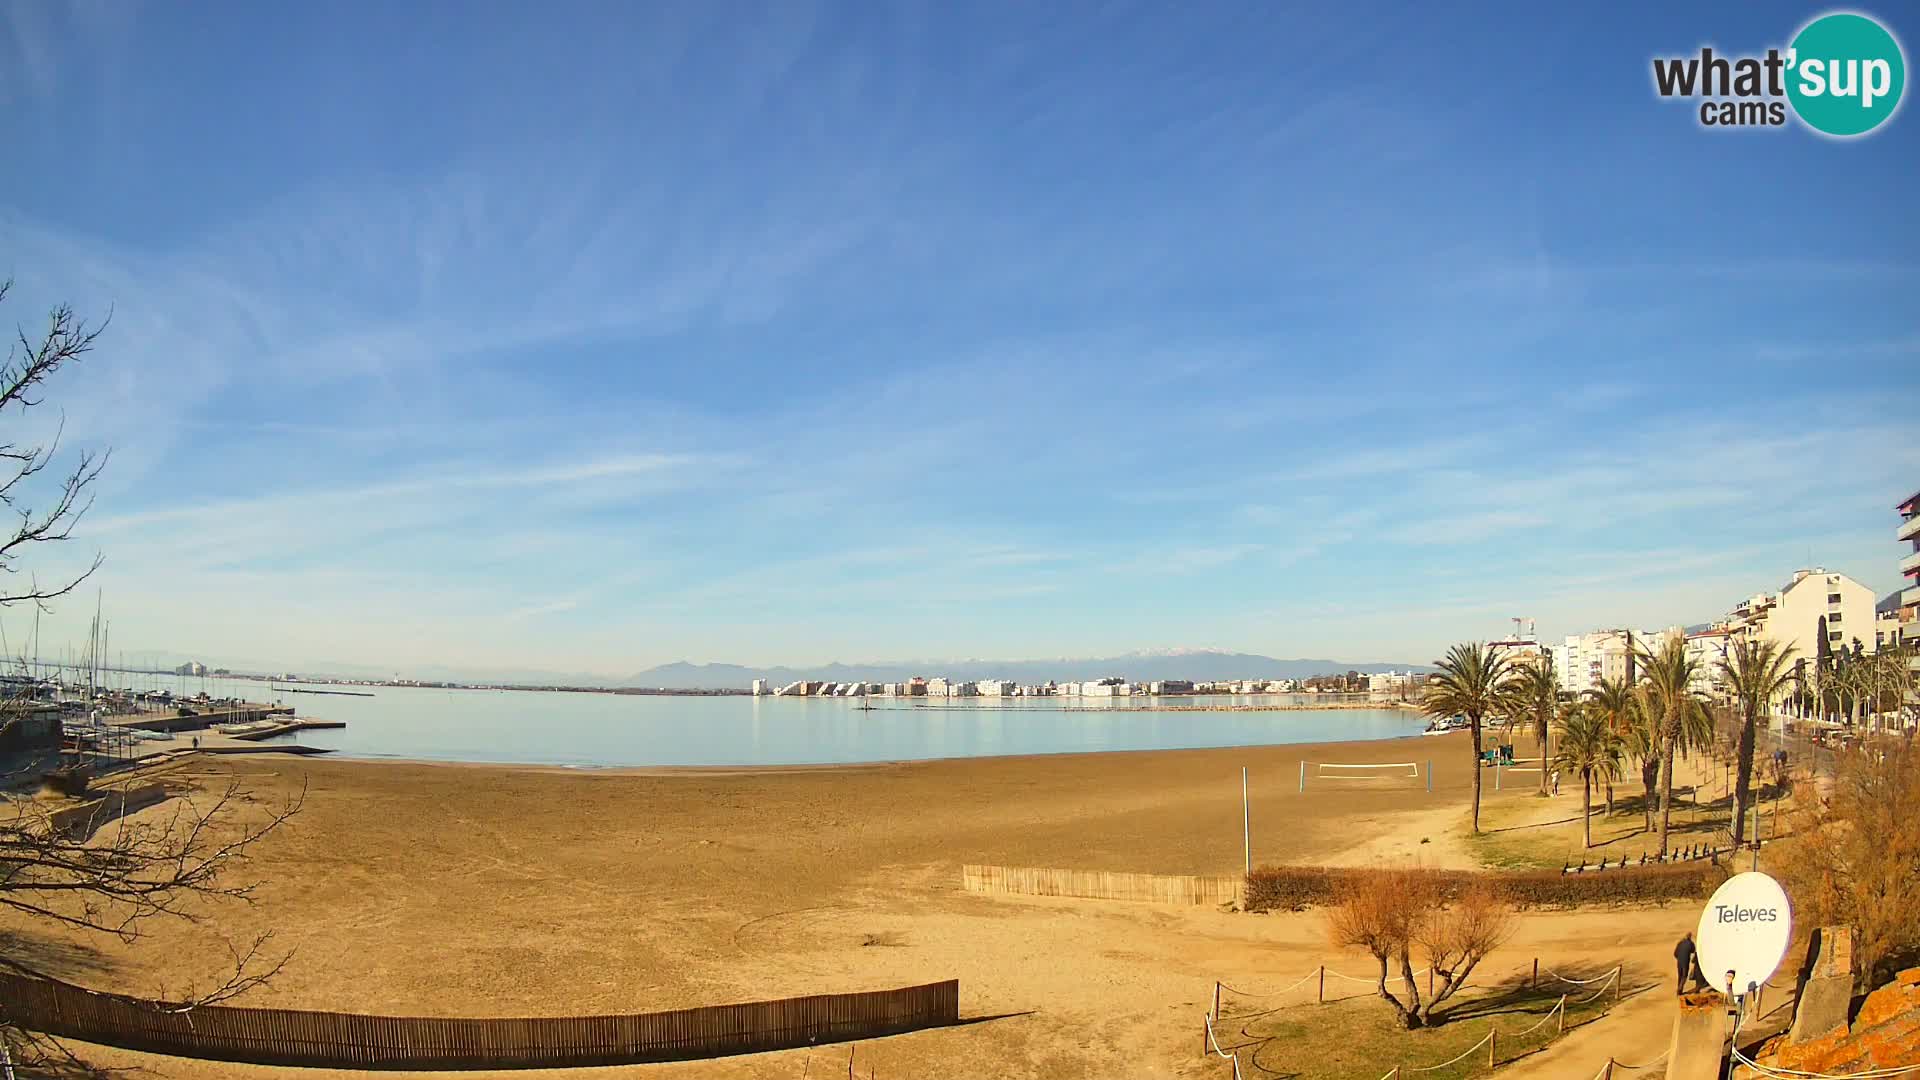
(1843, 75)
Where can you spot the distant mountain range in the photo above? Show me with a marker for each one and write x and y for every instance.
(1198, 665)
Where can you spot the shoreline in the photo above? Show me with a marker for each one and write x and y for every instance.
(876, 765)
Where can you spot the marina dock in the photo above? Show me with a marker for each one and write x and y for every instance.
(241, 728)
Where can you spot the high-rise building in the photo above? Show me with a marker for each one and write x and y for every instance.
(1909, 609)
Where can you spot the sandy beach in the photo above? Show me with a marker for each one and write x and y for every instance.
(433, 889)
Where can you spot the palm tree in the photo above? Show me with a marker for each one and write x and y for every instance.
(1536, 693)
(1641, 740)
(1677, 713)
(1754, 673)
(1474, 681)
(1589, 747)
(1613, 699)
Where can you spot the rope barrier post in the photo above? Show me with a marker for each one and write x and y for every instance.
(1493, 1044)
(1429, 982)
(1536, 974)
(1607, 1073)
(1303, 776)
(1560, 1025)
(1323, 985)
(1216, 998)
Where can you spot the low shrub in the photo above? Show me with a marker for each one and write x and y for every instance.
(1294, 888)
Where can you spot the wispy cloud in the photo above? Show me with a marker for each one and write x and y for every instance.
(794, 335)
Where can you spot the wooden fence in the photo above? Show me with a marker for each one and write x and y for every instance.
(1102, 885)
(346, 1040)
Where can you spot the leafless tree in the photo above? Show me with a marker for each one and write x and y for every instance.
(75, 867)
(1395, 914)
(1854, 855)
(31, 360)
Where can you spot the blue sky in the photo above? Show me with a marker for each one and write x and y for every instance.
(585, 337)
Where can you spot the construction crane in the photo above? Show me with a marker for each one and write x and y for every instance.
(1520, 634)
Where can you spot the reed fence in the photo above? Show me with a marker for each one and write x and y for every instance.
(347, 1040)
(1102, 885)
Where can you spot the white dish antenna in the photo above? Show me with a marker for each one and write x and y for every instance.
(1744, 930)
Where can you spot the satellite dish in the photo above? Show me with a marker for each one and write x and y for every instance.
(1745, 929)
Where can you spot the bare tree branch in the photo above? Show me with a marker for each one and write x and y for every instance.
(31, 360)
(113, 871)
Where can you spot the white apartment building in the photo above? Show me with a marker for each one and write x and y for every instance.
(1815, 602)
(1389, 681)
(1584, 661)
(1708, 649)
(759, 688)
(1909, 533)
(1109, 687)
(1886, 630)
(995, 687)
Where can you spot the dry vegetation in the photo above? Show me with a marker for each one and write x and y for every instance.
(1854, 858)
(1397, 915)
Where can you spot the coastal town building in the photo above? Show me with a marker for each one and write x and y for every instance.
(1908, 612)
(1522, 646)
(1582, 662)
(1708, 649)
(1886, 625)
(1393, 682)
(1814, 606)
(759, 688)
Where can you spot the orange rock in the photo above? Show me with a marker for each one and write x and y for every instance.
(1886, 1003)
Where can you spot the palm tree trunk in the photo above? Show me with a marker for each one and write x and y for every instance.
(1743, 780)
(1649, 782)
(1666, 789)
(1540, 733)
(1586, 804)
(1474, 723)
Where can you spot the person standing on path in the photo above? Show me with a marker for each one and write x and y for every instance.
(1687, 962)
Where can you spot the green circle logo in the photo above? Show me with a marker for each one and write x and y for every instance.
(1845, 74)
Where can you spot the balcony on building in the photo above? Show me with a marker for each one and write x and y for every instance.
(1910, 517)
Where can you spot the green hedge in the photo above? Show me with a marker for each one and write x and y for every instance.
(1292, 888)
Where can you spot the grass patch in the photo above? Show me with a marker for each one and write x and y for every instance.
(1358, 1037)
(1521, 831)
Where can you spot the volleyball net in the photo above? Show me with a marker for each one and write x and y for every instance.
(1341, 772)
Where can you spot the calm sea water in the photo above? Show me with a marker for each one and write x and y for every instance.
(528, 727)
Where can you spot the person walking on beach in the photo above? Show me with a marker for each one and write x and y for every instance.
(1556, 781)
(1686, 961)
